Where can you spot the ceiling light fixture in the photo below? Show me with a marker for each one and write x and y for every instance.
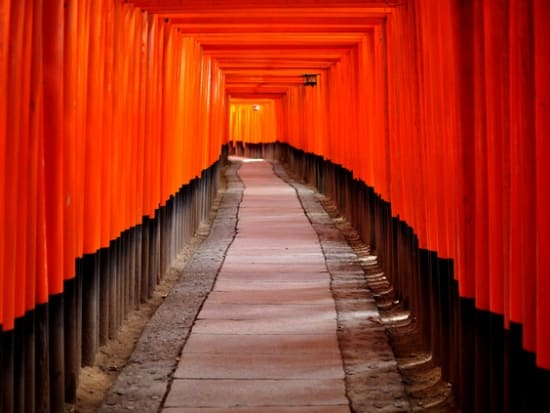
(310, 79)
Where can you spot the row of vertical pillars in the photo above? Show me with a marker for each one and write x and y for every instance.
(40, 360)
(484, 361)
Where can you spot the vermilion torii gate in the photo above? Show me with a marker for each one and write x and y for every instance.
(114, 116)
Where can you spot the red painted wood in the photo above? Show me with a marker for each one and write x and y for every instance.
(541, 14)
(439, 106)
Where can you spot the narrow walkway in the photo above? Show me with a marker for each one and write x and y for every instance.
(272, 313)
(266, 335)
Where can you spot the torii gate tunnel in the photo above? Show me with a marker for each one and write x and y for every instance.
(428, 121)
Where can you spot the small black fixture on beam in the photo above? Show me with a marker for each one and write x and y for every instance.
(310, 79)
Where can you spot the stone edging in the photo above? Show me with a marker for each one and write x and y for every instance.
(145, 380)
(373, 381)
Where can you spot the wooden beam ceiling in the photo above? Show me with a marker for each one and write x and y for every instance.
(265, 46)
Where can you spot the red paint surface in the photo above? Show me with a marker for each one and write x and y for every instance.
(440, 106)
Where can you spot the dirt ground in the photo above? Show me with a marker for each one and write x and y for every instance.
(424, 389)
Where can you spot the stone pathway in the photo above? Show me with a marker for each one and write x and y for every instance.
(271, 314)
(266, 336)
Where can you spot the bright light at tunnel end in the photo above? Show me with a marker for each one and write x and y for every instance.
(244, 159)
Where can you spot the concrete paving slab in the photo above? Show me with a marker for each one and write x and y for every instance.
(279, 252)
(284, 230)
(240, 393)
(284, 234)
(262, 409)
(276, 325)
(267, 247)
(247, 365)
(284, 266)
(306, 313)
(282, 248)
(228, 283)
(273, 277)
(275, 248)
(288, 268)
(269, 242)
(263, 343)
(273, 259)
(262, 189)
(287, 221)
(276, 211)
(314, 295)
(268, 202)
(290, 227)
(285, 217)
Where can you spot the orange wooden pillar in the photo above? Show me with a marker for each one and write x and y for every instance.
(4, 59)
(12, 91)
(541, 14)
(522, 177)
(72, 181)
(54, 152)
(92, 135)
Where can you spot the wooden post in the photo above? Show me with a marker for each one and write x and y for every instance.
(42, 382)
(19, 365)
(480, 386)
(90, 335)
(466, 391)
(131, 271)
(125, 276)
(78, 311)
(7, 402)
(112, 287)
(105, 273)
(496, 363)
(30, 362)
(145, 260)
(72, 368)
(57, 354)
(138, 245)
